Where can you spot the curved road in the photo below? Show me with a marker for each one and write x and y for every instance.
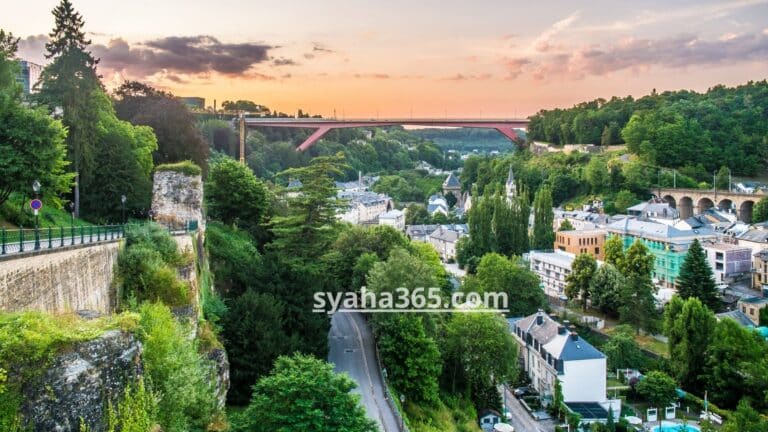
(352, 351)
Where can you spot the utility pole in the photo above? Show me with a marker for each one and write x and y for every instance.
(242, 138)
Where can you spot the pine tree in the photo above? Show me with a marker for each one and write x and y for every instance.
(689, 325)
(696, 279)
(543, 218)
(68, 82)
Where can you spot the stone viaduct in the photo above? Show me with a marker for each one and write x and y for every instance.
(696, 201)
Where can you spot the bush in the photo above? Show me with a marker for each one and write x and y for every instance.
(145, 276)
(186, 167)
(156, 237)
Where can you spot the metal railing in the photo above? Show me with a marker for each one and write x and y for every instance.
(20, 240)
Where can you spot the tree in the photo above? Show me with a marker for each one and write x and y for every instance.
(543, 234)
(304, 393)
(622, 350)
(723, 178)
(658, 388)
(689, 326)
(624, 199)
(605, 289)
(579, 280)
(479, 355)
(177, 137)
(637, 305)
(760, 212)
(745, 419)
(497, 273)
(451, 199)
(696, 279)
(596, 174)
(234, 195)
(566, 225)
(68, 82)
(416, 214)
(614, 251)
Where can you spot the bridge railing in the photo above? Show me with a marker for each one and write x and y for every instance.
(13, 241)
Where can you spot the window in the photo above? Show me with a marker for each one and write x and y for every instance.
(751, 311)
(597, 251)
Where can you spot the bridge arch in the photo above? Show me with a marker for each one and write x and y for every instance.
(669, 199)
(745, 211)
(685, 207)
(725, 204)
(705, 204)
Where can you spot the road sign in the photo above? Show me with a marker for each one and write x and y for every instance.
(36, 204)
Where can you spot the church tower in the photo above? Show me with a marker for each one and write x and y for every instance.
(510, 187)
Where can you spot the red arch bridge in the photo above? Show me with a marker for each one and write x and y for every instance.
(505, 126)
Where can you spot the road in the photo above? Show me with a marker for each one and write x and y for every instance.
(352, 351)
(521, 420)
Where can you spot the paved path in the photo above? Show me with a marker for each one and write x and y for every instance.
(352, 351)
(521, 420)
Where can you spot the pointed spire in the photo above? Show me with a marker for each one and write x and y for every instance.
(510, 176)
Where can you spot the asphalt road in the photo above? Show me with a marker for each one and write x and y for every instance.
(352, 351)
(521, 420)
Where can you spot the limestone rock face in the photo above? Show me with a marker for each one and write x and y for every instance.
(80, 382)
(221, 363)
(177, 198)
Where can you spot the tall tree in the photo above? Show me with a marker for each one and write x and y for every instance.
(614, 251)
(497, 273)
(68, 82)
(689, 326)
(760, 212)
(745, 419)
(234, 195)
(605, 289)
(304, 393)
(580, 279)
(622, 350)
(658, 389)
(543, 217)
(178, 138)
(696, 279)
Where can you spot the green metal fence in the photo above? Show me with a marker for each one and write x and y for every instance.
(19, 240)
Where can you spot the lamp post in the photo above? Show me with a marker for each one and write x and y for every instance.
(402, 406)
(122, 207)
(36, 189)
(72, 225)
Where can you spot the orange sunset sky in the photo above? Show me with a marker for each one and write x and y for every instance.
(482, 58)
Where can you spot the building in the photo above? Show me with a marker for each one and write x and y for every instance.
(28, 76)
(582, 220)
(193, 102)
(655, 209)
(363, 207)
(394, 218)
(420, 232)
(552, 352)
(590, 242)
(751, 306)
(437, 204)
(729, 262)
(444, 240)
(755, 239)
(488, 419)
(552, 269)
(760, 271)
(452, 185)
(668, 244)
(510, 187)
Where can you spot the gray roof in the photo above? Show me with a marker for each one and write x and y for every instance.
(451, 181)
(445, 235)
(431, 208)
(392, 214)
(294, 184)
(737, 316)
(420, 230)
(656, 230)
(755, 235)
(571, 347)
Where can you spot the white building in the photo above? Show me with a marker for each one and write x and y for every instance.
(420, 232)
(444, 240)
(552, 269)
(728, 261)
(363, 207)
(394, 218)
(553, 352)
(437, 204)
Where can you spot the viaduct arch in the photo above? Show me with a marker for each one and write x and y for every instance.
(696, 201)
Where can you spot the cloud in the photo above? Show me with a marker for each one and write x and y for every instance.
(544, 42)
(319, 47)
(32, 48)
(678, 52)
(378, 76)
(190, 55)
(514, 67)
(470, 77)
(282, 61)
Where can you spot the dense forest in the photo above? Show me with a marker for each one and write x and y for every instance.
(469, 139)
(726, 126)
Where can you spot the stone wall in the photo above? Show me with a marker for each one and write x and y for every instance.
(67, 280)
(177, 198)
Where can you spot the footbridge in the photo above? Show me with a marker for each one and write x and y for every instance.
(505, 126)
(695, 201)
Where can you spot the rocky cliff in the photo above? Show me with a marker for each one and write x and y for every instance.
(177, 198)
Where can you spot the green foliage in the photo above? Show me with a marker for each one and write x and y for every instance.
(234, 195)
(234, 258)
(543, 234)
(496, 225)
(623, 200)
(760, 211)
(135, 412)
(496, 273)
(479, 354)
(303, 393)
(696, 278)
(622, 350)
(605, 289)
(580, 279)
(409, 186)
(689, 325)
(186, 167)
(745, 419)
(614, 251)
(220, 136)
(179, 376)
(566, 225)
(658, 389)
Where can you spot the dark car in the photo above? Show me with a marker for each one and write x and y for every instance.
(521, 391)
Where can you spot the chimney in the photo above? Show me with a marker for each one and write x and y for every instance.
(540, 317)
(574, 336)
(561, 330)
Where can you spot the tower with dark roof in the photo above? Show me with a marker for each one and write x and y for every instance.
(452, 184)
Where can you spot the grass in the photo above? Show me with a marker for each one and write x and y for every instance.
(450, 415)
(184, 167)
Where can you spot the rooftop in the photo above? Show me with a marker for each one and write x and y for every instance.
(392, 214)
(737, 316)
(755, 235)
(656, 230)
(723, 246)
(451, 181)
(559, 258)
(754, 300)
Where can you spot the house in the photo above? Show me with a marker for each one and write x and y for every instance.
(590, 242)
(551, 352)
(668, 245)
(437, 204)
(729, 262)
(737, 315)
(452, 185)
(580, 220)
(420, 232)
(760, 271)
(755, 239)
(363, 207)
(394, 218)
(488, 418)
(552, 269)
(751, 306)
(655, 209)
(444, 240)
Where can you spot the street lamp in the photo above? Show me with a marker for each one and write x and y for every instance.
(72, 226)
(402, 406)
(36, 189)
(122, 206)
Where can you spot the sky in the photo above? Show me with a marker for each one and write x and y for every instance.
(405, 58)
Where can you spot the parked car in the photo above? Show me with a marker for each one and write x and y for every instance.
(521, 391)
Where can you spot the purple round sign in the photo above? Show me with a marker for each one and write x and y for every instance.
(36, 204)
